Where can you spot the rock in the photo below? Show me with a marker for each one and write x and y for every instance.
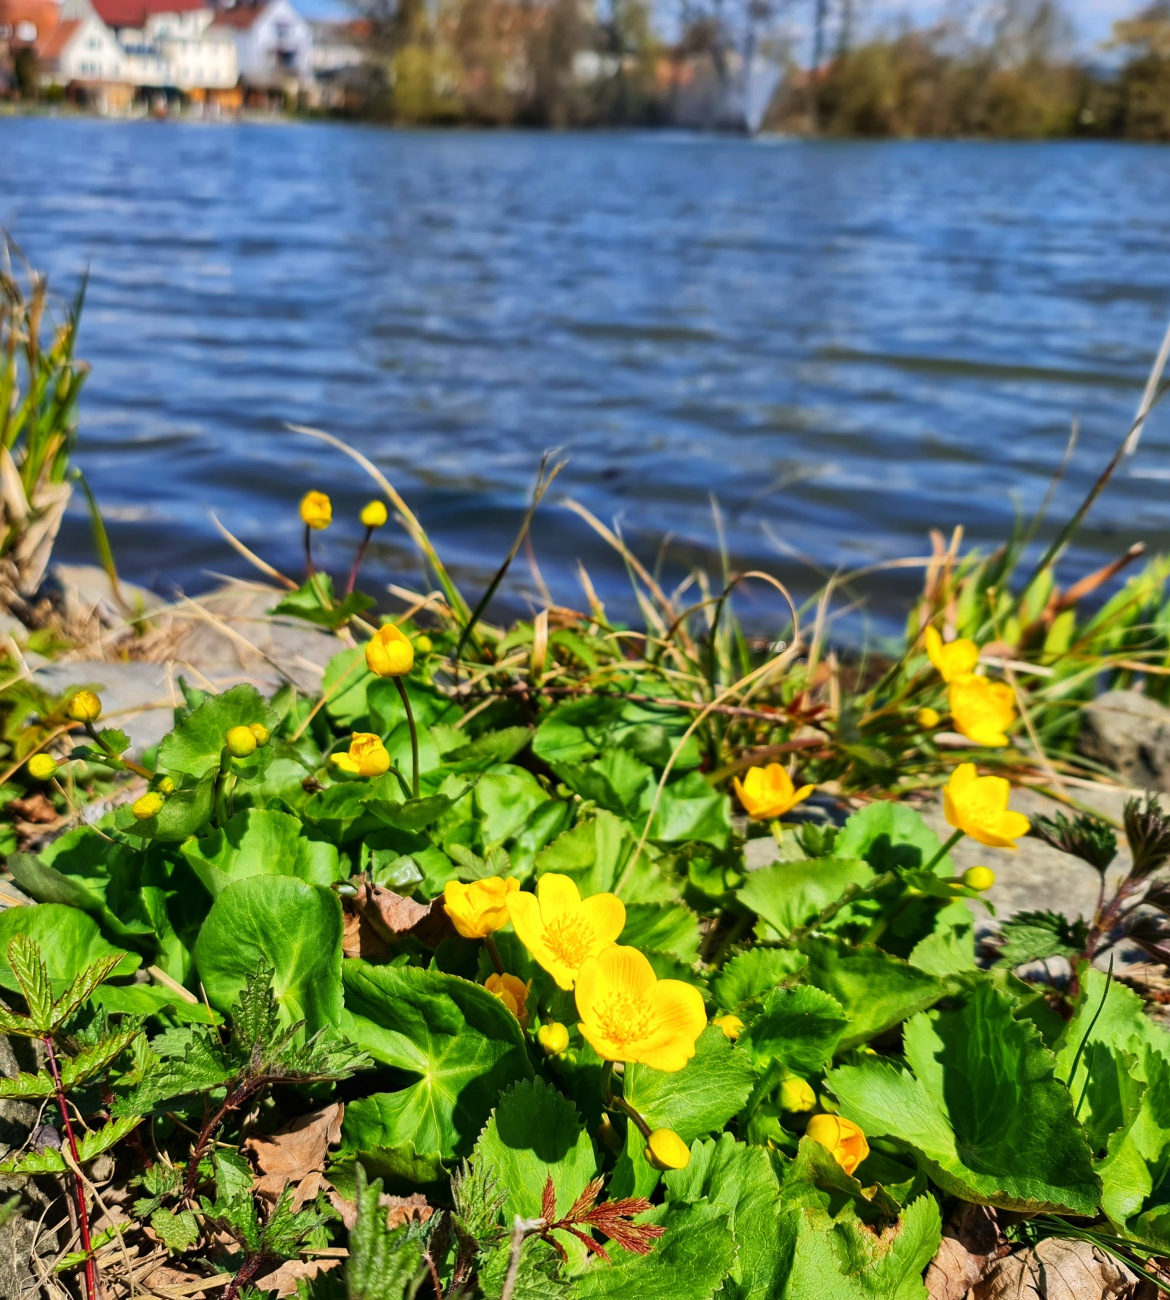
(1129, 733)
(138, 697)
(85, 591)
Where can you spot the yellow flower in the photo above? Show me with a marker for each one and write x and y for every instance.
(731, 1025)
(150, 805)
(241, 741)
(666, 1150)
(979, 878)
(767, 792)
(423, 645)
(389, 652)
(953, 659)
(374, 514)
(367, 756)
(553, 1037)
(84, 707)
(978, 806)
(928, 718)
(842, 1137)
(513, 993)
(316, 510)
(481, 908)
(629, 1014)
(260, 731)
(983, 710)
(42, 766)
(560, 929)
(796, 1094)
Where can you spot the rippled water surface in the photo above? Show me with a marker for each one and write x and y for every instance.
(847, 344)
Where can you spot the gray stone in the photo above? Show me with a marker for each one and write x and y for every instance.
(138, 697)
(1128, 733)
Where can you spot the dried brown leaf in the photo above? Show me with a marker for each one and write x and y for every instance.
(1056, 1269)
(952, 1272)
(360, 939)
(297, 1154)
(284, 1279)
(393, 917)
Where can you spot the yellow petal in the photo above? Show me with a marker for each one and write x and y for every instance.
(606, 915)
(344, 762)
(678, 1008)
(627, 971)
(801, 795)
(525, 913)
(557, 894)
(1015, 824)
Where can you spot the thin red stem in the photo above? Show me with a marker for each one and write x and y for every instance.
(309, 569)
(357, 561)
(79, 1186)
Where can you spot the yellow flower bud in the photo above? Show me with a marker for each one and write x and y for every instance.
(512, 992)
(481, 908)
(979, 878)
(553, 1037)
(374, 514)
(164, 785)
(666, 1150)
(316, 510)
(953, 659)
(389, 652)
(84, 707)
(240, 742)
(423, 645)
(260, 731)
(928, 718)
(796, 1094)
(731, 1025)
(367, 756)
(840, 1136)
(42, 766)
(150, 805)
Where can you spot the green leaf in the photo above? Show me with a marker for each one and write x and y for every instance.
(672, 928)
(536, 1133)
(92, 1145)
(24, 1085)
(294, 927)
(691, 810)
(950, 947)
(261, 841)
(690, 1262)
(983, 1111)
(93, 1060)
(315, 603)
(740, 1181)
(788, 895)
(702, 1096)
(755, 973)
(462, 1043)
(891, 837)
(69, 942)
(32, 978)
(1037, 936)
(504, 799)
(177, 1231)
(617, 781)
(800, 1028)
(492, 747)
(877, 989)
(184, 813)
(384, 1263)
(593, 853)
(196, 744)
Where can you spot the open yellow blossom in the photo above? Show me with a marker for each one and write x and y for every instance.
(389, 652)
(840, 1136)
(561, 929)
(481, 908)
(983, 710)
(953, 659)
(767, 792)
(316, 510)
(666, 1150)
(367, 756)
(978, 806)
(629, 1014)
(374, 514)
(512, 992)
(731, 1025)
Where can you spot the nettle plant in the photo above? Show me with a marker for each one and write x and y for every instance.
(555, 1039)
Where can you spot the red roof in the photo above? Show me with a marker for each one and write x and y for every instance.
(240, 17)
(29, 21)
(134, 13)
(58, 39)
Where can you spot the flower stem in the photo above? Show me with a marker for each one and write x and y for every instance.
(310, 571)
(116, 761)
(942, 853)
(612, 1102)
(413, 735)
(82, 1212)
(357, 561)
(494, 954)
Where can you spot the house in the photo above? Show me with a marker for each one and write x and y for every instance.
(341, 63)
(274, 49)
(84, 55)
(23, 24)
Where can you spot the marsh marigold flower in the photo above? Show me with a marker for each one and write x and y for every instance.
(367, 756)
(841, 1137)
(978, 806)
(666, 1150)
(240, 741)
(980, 878)
(983, 710)
(767, 792)
(553, 1037)
(150, 805)
(42, 766)
(261, 732)
(374, 514)
(953, 659)
(796, 1094)
(316, 510)
(481, 908)
(731, 1025)
(561, 929)
(928, 718)
(389, 652)
(85, 706)
(629, 1014)
(512, 992)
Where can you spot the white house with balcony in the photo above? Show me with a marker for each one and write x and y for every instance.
(274, 46)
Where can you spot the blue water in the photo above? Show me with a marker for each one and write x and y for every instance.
(847, 344)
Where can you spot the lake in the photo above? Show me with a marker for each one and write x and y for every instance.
(845, 344)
